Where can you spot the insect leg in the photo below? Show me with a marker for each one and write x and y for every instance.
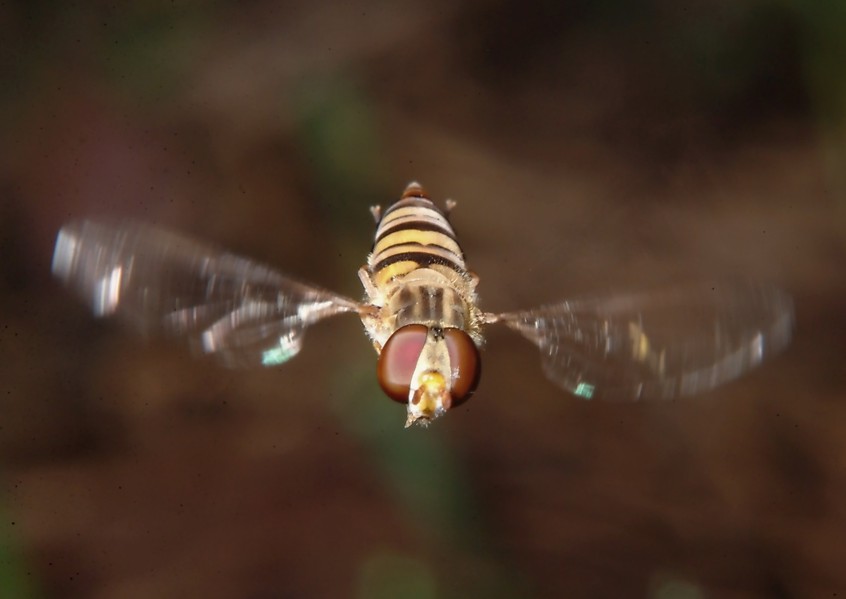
(370, 288)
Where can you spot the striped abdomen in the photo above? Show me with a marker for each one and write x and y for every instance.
(413, 233)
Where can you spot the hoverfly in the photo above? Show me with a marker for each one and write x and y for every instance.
(421, 312)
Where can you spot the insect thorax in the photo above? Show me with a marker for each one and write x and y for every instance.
(429, 302)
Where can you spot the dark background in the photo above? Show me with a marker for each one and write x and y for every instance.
(591, 146)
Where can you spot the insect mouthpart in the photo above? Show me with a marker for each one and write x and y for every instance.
(430, 400)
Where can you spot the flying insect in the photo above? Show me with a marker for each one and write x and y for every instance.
(421, 312)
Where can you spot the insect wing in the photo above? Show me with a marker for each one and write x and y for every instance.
(664, 344)
(242, 312)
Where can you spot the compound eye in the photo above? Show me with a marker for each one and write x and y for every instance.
(398, 359)
(465, 364)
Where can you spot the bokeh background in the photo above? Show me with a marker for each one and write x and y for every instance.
(591, 146)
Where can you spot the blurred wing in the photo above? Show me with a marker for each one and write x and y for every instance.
(243, 313)
(662, 344)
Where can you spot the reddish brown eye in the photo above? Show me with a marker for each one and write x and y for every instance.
(465, 364)
(398, 360)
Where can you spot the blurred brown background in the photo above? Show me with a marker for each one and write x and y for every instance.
(590, 145)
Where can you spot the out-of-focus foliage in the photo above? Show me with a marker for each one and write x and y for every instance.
(388, 576)
(16, 578)
(822, 24)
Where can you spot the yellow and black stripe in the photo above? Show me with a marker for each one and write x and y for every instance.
(414, 233)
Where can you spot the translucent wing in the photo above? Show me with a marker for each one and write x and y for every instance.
(244, 313)
(662, 344)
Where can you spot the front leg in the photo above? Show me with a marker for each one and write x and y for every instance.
(373, 293)
(374, 326)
